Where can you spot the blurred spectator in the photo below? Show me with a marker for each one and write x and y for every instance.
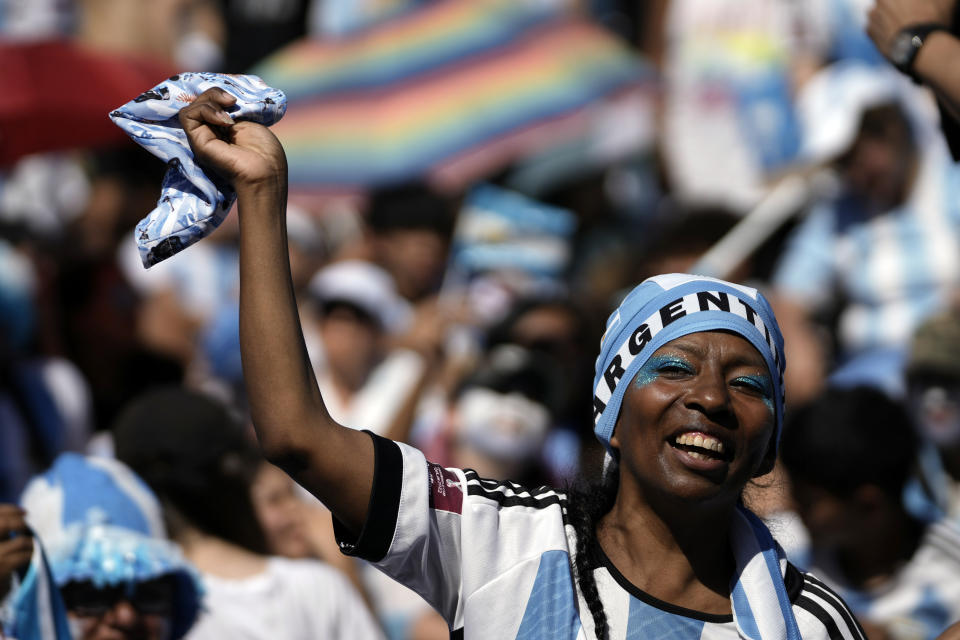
(187, 33)
(45, 404)
(44, 193)
(410, 228)
(37, 19)
(731, 69)
(680, 236)
(297, 525)
(366, 383)
(255, 29)
(849, 455)
(182, 294)
(933, 393)
(882, 253)
(557, 330)
(198, 460)
(281, 511)
(92, 309)
(117, 574)
(502, 414)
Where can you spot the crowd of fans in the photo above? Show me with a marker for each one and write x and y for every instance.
(109, 370)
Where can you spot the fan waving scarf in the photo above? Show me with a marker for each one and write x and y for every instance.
(448, 92)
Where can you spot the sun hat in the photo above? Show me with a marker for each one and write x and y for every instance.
(100, 523)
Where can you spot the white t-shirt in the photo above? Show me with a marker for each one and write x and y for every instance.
(291, 600)
(495, 560)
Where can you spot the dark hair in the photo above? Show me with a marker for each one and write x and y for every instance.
(501, 332)
(848, 438)
(195, 456)
(510, 368)
(587, 502)
(410, 206)
(327, 307)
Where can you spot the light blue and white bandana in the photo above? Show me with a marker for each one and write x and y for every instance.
(661, 309)
(665, 307)
(193, 202)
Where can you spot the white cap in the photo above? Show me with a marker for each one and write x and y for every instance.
(364, 286)
(831, 104)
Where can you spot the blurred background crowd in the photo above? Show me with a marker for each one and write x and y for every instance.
(473, 186)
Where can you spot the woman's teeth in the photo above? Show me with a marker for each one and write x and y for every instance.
(700, 441)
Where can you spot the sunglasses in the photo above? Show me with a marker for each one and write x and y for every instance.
(151, 597)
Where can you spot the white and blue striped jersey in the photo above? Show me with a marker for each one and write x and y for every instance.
(921, 599)
(494, 559)
(892, 270)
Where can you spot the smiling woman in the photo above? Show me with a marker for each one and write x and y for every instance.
(688, 401)
(699, 415)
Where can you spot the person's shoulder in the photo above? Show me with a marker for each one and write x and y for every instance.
(820, 611)
(303, 571)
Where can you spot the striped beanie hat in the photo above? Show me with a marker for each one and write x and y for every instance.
(665, 307)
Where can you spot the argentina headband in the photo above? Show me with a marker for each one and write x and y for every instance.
(663, 308)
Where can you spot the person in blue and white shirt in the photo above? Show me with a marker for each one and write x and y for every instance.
(688, 402)
(883, 252)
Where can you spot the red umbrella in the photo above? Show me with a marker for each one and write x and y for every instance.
(56, 95)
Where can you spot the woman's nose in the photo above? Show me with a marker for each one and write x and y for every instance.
(124, 615)
(708, 393)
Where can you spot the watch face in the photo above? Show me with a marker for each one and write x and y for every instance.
(902, 49)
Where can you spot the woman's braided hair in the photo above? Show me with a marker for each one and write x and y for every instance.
(588, 503)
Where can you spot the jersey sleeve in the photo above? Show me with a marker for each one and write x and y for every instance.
(821, 614)
(475, 549)
(413, 527)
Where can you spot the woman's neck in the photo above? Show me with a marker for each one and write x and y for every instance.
(217, 557)
(680, 554)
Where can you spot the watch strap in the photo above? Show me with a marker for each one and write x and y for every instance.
(917, 33)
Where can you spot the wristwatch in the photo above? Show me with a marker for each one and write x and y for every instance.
(906, 45)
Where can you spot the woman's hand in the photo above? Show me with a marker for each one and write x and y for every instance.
(16, 544)
(245, 153)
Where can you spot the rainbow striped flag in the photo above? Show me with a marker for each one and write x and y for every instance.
(449, 92)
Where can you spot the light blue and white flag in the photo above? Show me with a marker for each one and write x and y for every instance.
(193, 202)
(38, 610)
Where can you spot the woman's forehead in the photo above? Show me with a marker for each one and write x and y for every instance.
(718, 343)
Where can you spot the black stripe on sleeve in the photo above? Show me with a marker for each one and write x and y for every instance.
(793, 581)
(457, 635)
(374, 540)
(828, 622)
(540, 498)
(826, 593)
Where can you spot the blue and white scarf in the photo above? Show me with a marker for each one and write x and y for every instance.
(661, 309)
(192, 203)
(38, 612)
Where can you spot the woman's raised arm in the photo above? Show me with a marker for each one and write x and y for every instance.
(292, 423)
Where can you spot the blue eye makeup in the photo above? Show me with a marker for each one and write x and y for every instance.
(656, 366)
(760, 384)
